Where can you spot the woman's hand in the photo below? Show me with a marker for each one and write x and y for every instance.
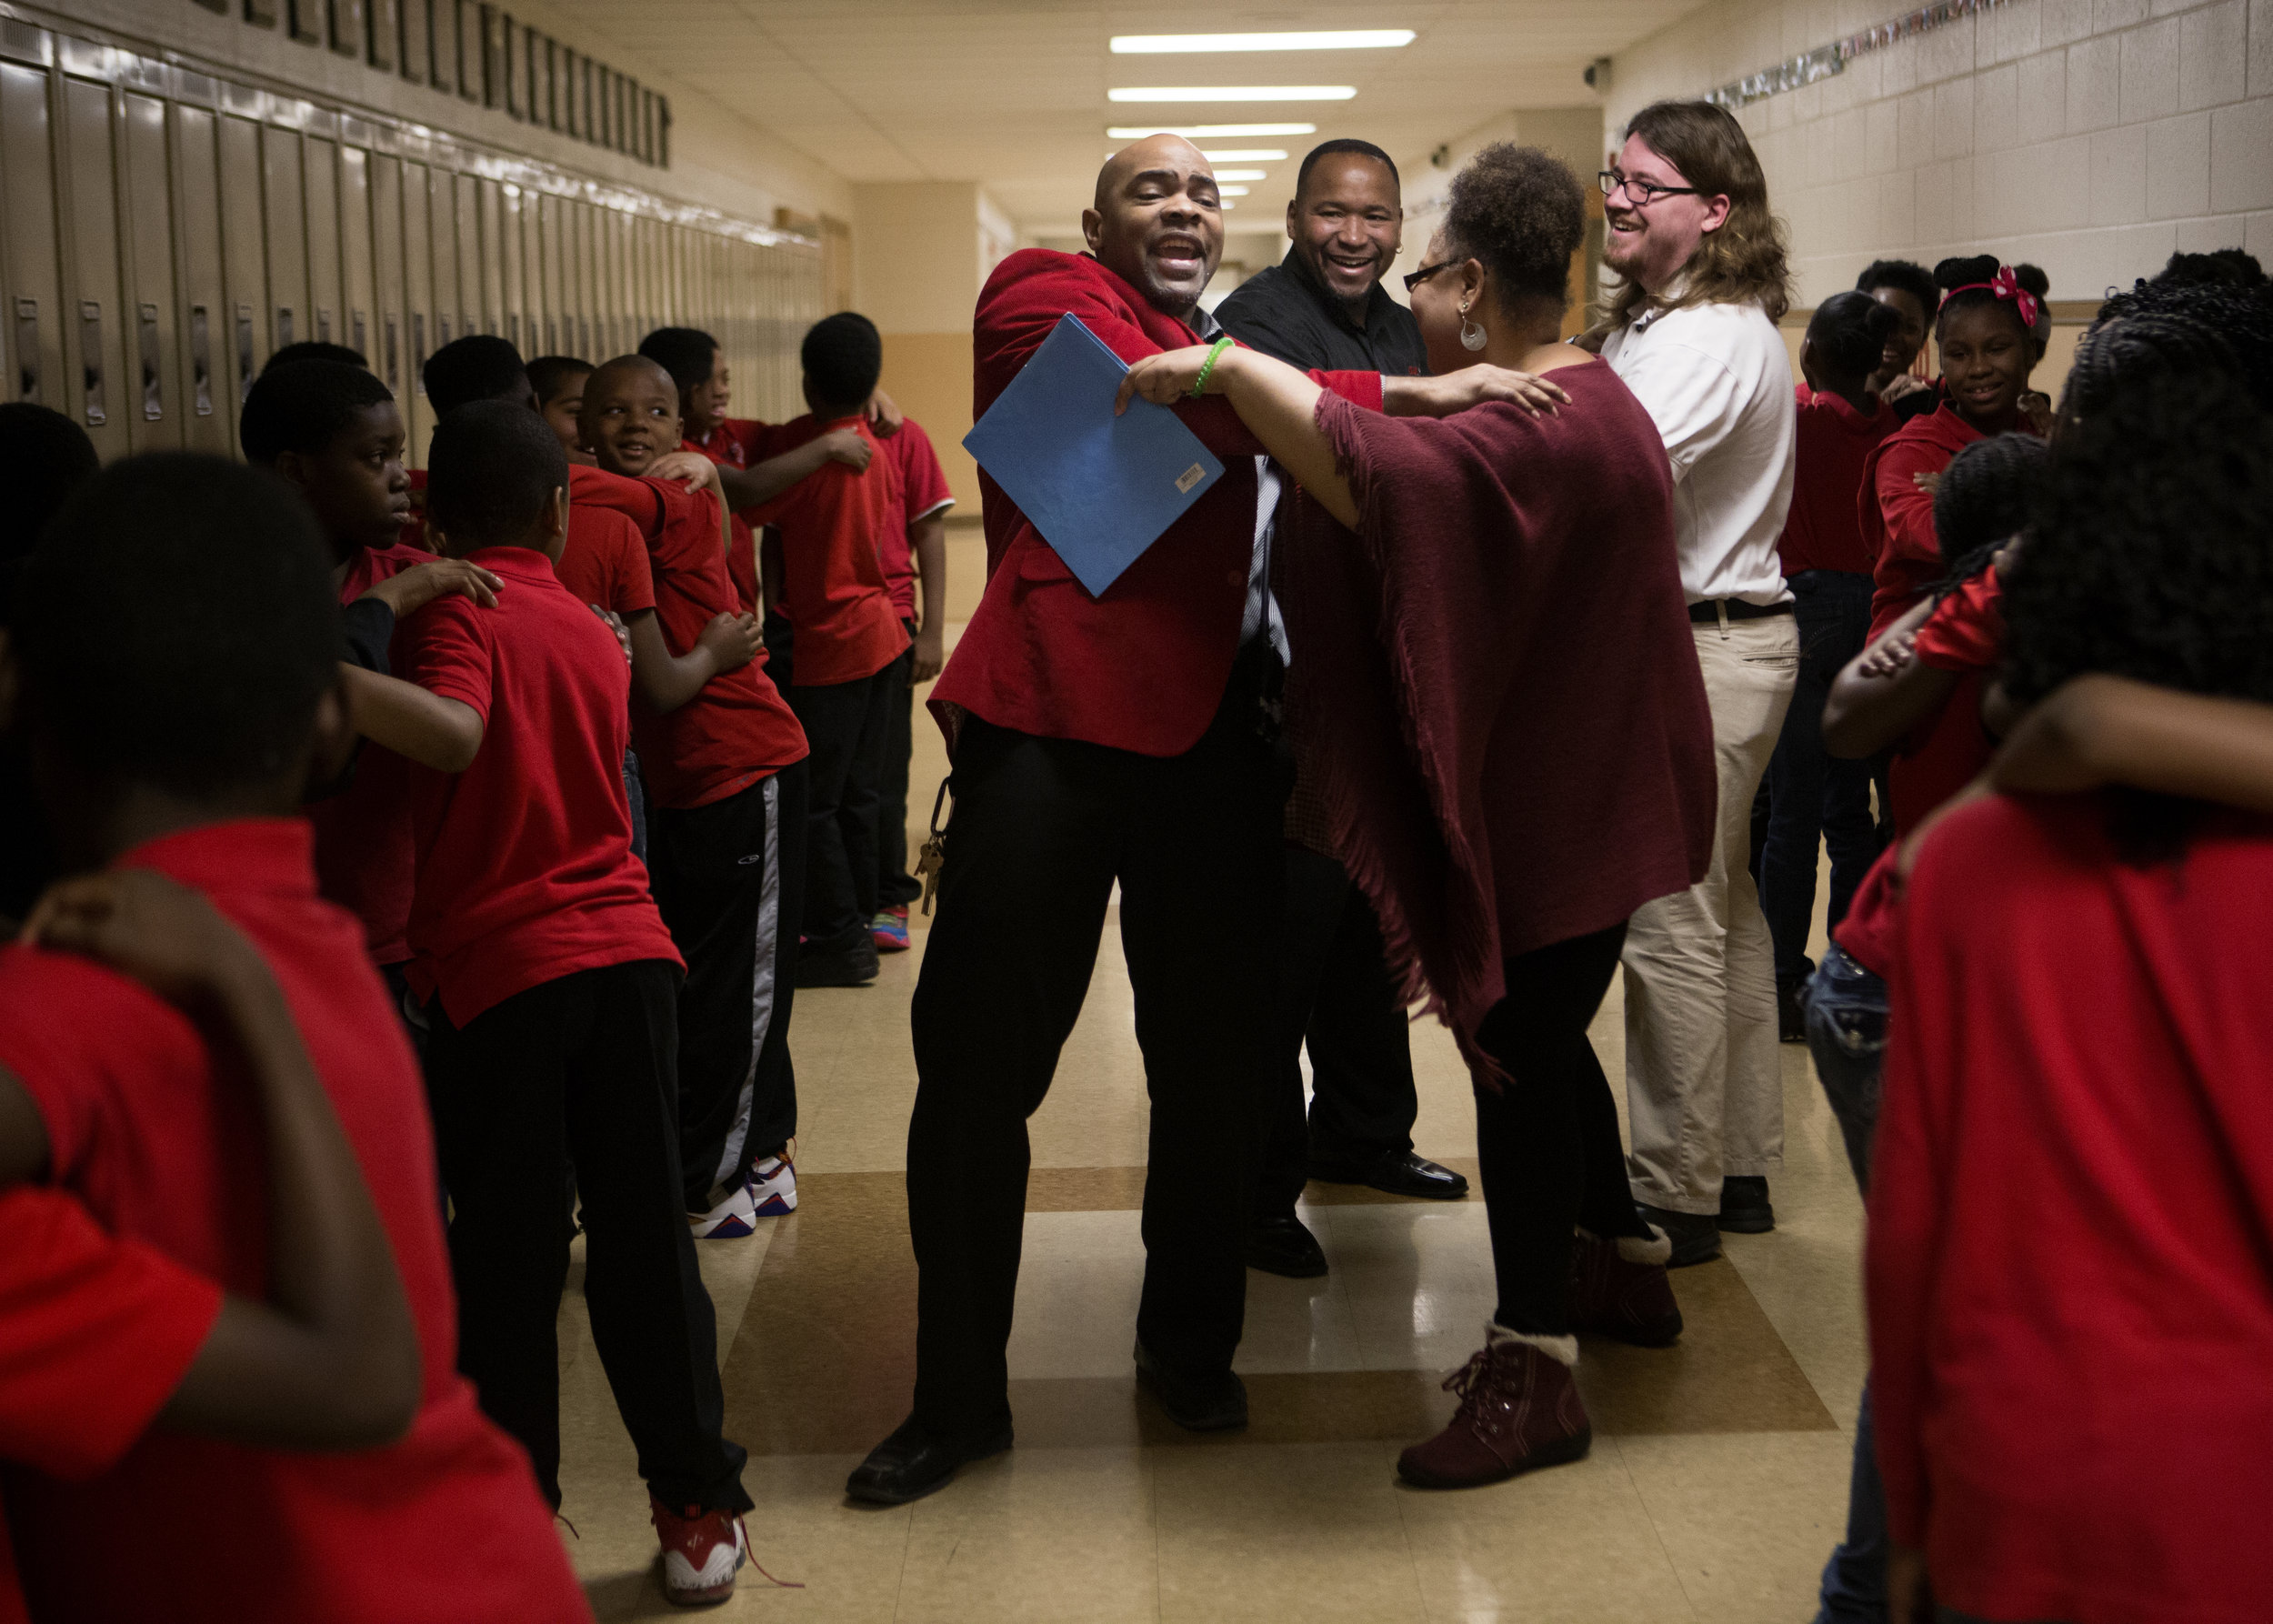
(1167, 377)
(1469, 386)
(156, 929)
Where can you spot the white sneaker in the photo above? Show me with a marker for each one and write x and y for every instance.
(773, 1187)
(732, 1220)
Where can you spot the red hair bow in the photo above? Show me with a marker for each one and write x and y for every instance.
(2006, 286)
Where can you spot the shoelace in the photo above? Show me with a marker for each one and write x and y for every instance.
(1473, 1375)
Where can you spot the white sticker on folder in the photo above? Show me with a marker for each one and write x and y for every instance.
(1190, 477)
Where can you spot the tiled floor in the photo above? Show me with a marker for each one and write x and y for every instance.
(1717, 1485)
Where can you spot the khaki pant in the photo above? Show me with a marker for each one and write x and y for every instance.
(1704, 1076)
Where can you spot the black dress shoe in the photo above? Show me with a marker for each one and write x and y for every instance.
(1397, 1173)
(856, 966)
(1196, 1400)
(1695, 1238)
(1744, 1205)
(916, 1460)
(1791, 1016)
(1283, 1246)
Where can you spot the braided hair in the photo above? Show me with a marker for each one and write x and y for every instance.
(1988, 495)
(2242, 316)
(2124, 352)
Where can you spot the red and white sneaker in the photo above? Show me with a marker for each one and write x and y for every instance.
(772, 1187)
(701, 1552)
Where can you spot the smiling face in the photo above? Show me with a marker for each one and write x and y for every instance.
(1651, 244)
(1437, 306)
(631, 414)
(1909, 334)
(563, 410)
(1986, 355)
(704, 406)
(1157, 222)
(1347, 223)
(357, 483)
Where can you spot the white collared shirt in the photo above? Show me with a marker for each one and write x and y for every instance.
(1261, 614)
(1716, 380)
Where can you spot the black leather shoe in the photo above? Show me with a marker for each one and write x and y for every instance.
(856, 966)
(1195, 1400)
(1284, 1246)
(1791, 1019)
(916, 1460)
(1398, 1173)
(1744, 1205)
(1695, 1238)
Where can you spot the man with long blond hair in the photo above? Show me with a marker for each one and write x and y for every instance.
(1692, 331)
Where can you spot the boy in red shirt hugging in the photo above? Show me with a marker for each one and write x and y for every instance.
(175, 645)
(551, 993)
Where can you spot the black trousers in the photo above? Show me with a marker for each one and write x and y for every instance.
(846, 724)
(895, 887)
(1334, 994)
(1041, 829)
(1547, 1137)
(580, 1070)
(730, 881)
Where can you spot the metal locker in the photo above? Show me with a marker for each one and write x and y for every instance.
(509, 267)
(244, 258)
(466, 18)
(490, 202)
(416, 61)
(286, 237)
(153, 417)
(350, 33)
(34, 272)
(356, 287)
(202, 346)
(464, 196)
(442, 224)
(383, 34)
(95, 335)
(326, 308)
(423, 310)
(389, 302)
(591, 338)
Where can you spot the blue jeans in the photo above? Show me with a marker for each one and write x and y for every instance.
(1846, 1008)
(1810, 794)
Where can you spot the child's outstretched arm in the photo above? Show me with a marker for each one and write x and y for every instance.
(331, 1360)
(1885, 691)
(666, 681)
(2097, 730)
(440, 733)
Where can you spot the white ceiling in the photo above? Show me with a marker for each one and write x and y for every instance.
(1012, 95)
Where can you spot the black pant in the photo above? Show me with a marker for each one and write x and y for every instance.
(580, 1069)
(730, 881)
(1548, 1137)
(895, 887)
(1335, 993)
(846, 724)
(1041, 829)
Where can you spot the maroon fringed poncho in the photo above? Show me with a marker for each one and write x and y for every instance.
(1498, 683)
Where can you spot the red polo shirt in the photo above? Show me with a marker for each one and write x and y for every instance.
(1835, 441)
(606, 561)
(525, 867)
(736, 443)
(834, 525)
(363, 857)
(922, 492)
(157, 1133)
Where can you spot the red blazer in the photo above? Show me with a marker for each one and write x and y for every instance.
(1142, 668)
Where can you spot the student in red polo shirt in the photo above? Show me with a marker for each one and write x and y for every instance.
(176, 645)
(551, 993)
(727, 773)
(832, 527)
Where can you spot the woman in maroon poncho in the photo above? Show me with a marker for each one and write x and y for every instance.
(1488, 607)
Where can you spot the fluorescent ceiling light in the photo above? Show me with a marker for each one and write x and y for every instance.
(1232, 93)
(1241, 173)
(1231, 191)
(1205, 132)
(1343, 39)
(1258, 154)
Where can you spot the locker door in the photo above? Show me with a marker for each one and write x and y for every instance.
(325, 307)
(535, 306)
(418, 296)
(618, 283)
(34, 276)
(245, 322)
(286, 237)
(203, 346)
(390, 301)
(521, 329)
(545, 248)
(591, 341)
(95, 338)
(357, 305)
(442, 222)
(490, 201)
(465, 195)
(154, 416)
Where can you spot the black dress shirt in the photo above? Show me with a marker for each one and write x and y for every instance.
(1283, 312)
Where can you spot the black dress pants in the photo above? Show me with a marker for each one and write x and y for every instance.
(846, 724)
(730, 881)
(580, 1069)
(1041, 829)
(1548, 1137)
(895, 887)
(1335, 993)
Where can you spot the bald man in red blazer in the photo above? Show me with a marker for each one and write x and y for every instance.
(1127, 737)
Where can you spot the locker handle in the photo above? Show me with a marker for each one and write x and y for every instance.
(27, 349)
(91, 359)
(394, 358)
(354, 325)
(200, 361)
(323, 325)
(153, 378)
(418, 350)
(244, 348)
(283, 325)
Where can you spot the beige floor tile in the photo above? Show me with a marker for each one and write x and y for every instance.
(1747, 1520)
(1045, 1535)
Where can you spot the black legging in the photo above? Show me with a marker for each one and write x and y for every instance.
(1548, 1137)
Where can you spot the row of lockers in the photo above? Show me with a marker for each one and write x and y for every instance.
(157, 243)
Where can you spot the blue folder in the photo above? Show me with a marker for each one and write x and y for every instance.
(1099, 488)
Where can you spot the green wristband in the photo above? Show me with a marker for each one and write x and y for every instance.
(1199, 384)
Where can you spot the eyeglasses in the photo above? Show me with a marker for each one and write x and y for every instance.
(1415, 278)
(1641, 194)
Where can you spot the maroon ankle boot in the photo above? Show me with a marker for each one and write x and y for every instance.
(1519, 1410)
(1621, 1288)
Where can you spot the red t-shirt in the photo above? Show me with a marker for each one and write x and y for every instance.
(834, 524)
(364, 859)
(158, 1134)
(1943, 754)
(606, 561)
(2072, 1305)
(736, 443)
(96, 1333)
(922, 492)
(525, 867)
(1834, 440)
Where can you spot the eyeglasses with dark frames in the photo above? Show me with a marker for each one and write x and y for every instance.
(1414, 279)
(1640, 192)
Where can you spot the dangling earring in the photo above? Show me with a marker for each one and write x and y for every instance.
(1472, 334)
